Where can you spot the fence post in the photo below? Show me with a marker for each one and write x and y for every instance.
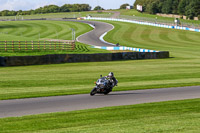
(63, 45)
(50, 44)
(25, 45)
(13, 46)
(44, 45)
(73, 45)
(59, 44)
(54, 45)
(66, 45)
(32, 45)
(5, 45)
(19, 46)
(38, 45)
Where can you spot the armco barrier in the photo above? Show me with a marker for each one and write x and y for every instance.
(68, 58)
(143, 23)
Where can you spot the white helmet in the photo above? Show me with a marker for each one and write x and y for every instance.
(111, 74)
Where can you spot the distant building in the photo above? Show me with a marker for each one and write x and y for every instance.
(139, 8)
(129, 7)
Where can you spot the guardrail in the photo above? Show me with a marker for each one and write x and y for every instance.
(144, 23)
(36, 45)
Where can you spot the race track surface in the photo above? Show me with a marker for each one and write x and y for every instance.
(21, 107)
(93, 37)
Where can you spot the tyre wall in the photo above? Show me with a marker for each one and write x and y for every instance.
(70, 58)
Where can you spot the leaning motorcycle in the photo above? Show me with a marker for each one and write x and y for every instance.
(103, 86)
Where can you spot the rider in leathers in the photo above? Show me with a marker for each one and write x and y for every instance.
(112, 79)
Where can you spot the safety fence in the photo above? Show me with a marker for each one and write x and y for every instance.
(156, 20)
(36, 45)
(144, 23)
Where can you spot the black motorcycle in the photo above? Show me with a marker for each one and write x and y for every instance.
(103, 86)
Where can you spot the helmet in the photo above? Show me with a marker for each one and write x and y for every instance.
(111, 74)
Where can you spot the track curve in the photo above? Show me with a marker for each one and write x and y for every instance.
(21, 107)
(93, 37)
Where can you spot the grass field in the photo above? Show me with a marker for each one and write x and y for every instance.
(75, 78)
(183, 69)
(35, 30)
(174, 117)
(44, 30)
(58, 15)
(151, 17)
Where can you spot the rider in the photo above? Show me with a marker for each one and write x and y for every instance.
(112, 79)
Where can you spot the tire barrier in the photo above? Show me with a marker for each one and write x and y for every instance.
(69, 58)
(143, 23)
(123, 48)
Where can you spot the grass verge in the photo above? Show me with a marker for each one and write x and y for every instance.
(44, 30)
(135, 13)
(174, 116)
(77, 78)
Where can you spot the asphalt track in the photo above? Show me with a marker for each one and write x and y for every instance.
(93, 37)
(21, 107)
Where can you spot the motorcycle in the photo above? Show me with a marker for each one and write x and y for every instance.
(103, 86)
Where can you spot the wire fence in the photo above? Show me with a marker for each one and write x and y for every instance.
(195, 25)
(8, 46)
(160, 21)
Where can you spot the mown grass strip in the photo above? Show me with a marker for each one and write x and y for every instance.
(44, 30)
(183, 69)
(174, 116)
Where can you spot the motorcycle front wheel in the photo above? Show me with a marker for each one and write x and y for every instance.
(93, 92)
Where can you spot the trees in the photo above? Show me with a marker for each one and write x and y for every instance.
(98, 8)
(167, 6)
(190, 8)
(153, 8)
(49, 9)
(124, 6)
(182, 5)
(193, 9)
(75, 8)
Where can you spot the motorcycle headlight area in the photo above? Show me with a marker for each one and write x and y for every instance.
(101, 86)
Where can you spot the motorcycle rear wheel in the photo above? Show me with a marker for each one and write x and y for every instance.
(107, 91)
(93, 92)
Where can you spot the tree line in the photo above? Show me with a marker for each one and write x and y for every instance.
(49, 9)
(189, 8)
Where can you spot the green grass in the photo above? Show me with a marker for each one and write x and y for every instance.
(79, 49)
(44, 30)
(59, 15)
(36, 30)
(182, 44)
(174, 117)
(135, 13)
(76, 78)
